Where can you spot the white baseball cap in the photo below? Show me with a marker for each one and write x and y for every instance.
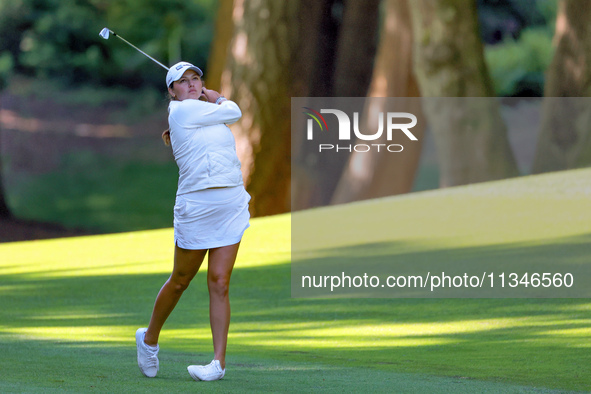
(177, 71)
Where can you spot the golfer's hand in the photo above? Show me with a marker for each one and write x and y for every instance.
(211, 95)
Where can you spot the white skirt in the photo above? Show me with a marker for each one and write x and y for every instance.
(211, 218)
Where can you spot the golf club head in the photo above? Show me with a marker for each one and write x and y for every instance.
(105, 33)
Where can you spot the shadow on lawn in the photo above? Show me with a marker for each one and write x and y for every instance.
(567, 255)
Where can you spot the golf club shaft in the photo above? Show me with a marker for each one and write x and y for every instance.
(139, 50)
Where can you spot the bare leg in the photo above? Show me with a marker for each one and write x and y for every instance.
(186, 265)
(220, 264)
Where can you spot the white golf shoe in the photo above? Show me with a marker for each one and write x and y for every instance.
(147, 358)
(209, 372)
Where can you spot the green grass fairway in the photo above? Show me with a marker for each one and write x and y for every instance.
(127, 194)
(70, 308)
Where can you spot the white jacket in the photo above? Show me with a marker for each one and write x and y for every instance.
(202, 145)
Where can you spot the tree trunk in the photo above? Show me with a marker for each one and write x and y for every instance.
(315, 64)
(344, 50)
(258, 77)
(356, 48)
(371, 175)
(281, 50)
(470, 135)
(224, 30)
(353, 69)
(565, 141)
(4, 210)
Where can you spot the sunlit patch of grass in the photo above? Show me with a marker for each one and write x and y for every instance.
(72, 334)
(521, 210)
(128, 254)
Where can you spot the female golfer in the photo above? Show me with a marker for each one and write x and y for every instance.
(210, 212)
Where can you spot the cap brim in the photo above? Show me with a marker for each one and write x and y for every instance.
(176, 72)
(196, 69)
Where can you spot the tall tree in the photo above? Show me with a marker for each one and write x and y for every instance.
(224, 30)
(565, 138)
(378, 174)
(344, 51)
(318, 23)
(258, 77)
(281, 50)
(470, 135)
(356, 49)
(4, 210)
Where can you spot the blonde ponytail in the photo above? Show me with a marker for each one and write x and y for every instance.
(166, 137)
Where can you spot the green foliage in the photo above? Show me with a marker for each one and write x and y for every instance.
(15, 17)
(6, 65)
(520, 37)
(59, 38)
(167, 30)
(517, 67)
(548, 9)
(501, 19)
(60, 42)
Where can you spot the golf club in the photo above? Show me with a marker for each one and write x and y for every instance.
(105, 34)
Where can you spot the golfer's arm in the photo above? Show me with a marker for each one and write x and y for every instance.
(199, 113)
